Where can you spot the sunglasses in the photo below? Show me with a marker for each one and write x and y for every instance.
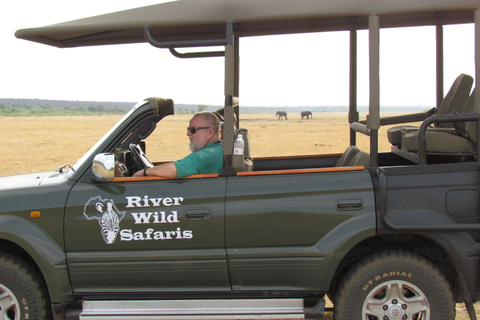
(194, 129)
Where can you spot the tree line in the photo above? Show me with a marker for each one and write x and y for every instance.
(26, 110)
(49, 110)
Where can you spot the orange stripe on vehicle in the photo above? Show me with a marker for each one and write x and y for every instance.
(147, 178)
(270, 172)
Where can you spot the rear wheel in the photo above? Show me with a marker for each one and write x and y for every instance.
(22, 291)
(394, 285)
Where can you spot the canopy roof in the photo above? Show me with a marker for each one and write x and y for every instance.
(206, 19)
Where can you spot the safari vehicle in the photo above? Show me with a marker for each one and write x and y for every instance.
(385, 235)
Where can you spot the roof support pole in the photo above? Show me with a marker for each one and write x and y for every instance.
(230, 85)
(229, 94)
(439, 63)
(352, 109)
(477, 57)
(236, 81)
(373, 118)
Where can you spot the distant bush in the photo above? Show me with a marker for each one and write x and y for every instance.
(22, 110)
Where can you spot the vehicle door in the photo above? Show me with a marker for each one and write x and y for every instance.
(146, 236)
(287, 231)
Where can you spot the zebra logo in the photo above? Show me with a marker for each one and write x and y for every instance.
(107, 214)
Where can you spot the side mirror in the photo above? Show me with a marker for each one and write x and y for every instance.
(103, 167)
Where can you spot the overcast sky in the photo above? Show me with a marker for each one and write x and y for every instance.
(296, 70)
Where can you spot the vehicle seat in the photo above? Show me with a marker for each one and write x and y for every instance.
(353, 157)
(361, 159)
(455, 99)
(440, 140)
(347, 156)
(248, 161)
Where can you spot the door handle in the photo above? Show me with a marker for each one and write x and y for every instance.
(198, 214)
(349, 204)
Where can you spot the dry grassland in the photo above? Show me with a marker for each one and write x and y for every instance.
(32, 144)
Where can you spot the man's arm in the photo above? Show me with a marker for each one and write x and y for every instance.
(166, 170)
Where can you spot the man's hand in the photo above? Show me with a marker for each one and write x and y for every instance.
(138, 174)
(166, 170)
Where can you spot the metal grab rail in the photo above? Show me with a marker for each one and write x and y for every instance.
(412, 117)
(171, 45)
(360, 127)
(422, 142)
(206, 54)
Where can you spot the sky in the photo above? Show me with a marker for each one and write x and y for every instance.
(294, 70)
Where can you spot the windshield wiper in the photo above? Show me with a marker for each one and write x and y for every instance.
(65, 166)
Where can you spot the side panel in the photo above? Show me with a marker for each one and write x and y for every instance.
(147, 236)
(433, 194)
(289, 231)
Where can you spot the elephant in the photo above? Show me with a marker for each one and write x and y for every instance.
(281, 114)
(307, 114)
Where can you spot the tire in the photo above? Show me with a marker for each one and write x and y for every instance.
(23, 293)
(394, 285)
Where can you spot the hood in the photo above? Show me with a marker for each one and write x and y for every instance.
(27, 180)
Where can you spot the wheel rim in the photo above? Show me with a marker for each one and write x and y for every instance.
(396, 300)
(9, 306)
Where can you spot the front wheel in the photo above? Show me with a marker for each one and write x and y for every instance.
(394, 285)
(22, 291)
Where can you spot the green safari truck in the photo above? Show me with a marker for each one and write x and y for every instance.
(383, 235)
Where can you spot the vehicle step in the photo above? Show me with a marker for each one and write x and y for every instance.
(198, 309)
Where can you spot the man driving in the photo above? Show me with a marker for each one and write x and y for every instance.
(205, 145)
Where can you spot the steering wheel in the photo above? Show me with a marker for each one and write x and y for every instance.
(140, 160)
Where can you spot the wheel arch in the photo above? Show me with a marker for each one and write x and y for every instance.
(30, 243)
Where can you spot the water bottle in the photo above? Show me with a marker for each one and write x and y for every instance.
(238, 156)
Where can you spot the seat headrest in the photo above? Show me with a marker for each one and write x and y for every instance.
(457, 96)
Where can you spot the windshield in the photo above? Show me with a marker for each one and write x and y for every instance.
(94, 148)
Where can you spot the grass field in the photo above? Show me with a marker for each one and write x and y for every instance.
(32, 144)
(45, 143)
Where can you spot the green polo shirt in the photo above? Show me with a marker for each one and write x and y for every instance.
(207, 160)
